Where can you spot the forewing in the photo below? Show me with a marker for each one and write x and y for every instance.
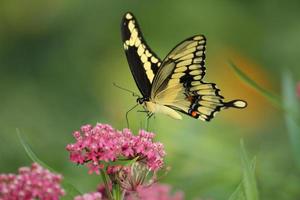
(179, 85)
(142, 60)
(183, 64)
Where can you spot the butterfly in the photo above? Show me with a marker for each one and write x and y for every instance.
(174, 84)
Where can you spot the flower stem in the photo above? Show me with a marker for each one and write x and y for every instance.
(117, 192)
(104, 177)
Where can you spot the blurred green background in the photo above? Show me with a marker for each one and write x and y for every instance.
(58, 60)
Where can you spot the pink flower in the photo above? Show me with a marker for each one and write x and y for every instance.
(90, 196)
(155, 192)
(102, 144)
(31, 183)
(298, 90)
(131, 177)
(101, 189)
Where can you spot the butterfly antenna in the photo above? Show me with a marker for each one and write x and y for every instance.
(126, 115)
(127, 90)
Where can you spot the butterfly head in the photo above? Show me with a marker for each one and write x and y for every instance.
(141, 100)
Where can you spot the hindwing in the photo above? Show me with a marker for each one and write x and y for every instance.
(178, 83)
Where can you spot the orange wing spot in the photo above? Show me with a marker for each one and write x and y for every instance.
(190, 98)
(194, 113)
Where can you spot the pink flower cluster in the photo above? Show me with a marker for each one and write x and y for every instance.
(154, 192)
(102, 144)
(31, 183)
(298, 89)
(90, 196)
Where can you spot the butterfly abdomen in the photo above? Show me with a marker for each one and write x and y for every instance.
(157, 108)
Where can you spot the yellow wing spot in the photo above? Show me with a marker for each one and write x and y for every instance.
(184, 63)
(180, 69)
(140, 50)
(154, 60)
(195, 72)
(147, 66)
(131, 26)
(137, 42)
(131, 41)
(134, 33)
(150, 75)
(215, 113)
(194, 83)
(207, 104)
(206, 92)
(125, 46)
(200, 87)
(193, 44)
(214, 99)
(205, 111)
(204, 86)
(158, 64)
(199, 53)
(177, 75)
(205, 117)
(197, 60)
(144, 58)
(197, 77)
(240, 104)
(148, 54)
(198, 37)
(128, 16)
(193, 67)
(174, 81)
(186, 52)
(189, 56)
(201, 42)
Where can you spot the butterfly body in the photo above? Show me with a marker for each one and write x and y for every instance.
(174, 84)
(152, 107)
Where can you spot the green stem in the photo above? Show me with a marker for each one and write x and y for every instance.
(117, 192)
(273, 98)
(123, 194)
(106, 184)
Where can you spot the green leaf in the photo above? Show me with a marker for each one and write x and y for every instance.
(273, 98)
(105, 180)
(116, 192)
(239, 193)
(246, 190)
(291, 104)
(249, 182)
(288, 104)
(124, 162)
(70, 189)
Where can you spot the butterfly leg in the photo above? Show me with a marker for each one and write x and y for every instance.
(142, 111)
(149, 115)
(126, 115)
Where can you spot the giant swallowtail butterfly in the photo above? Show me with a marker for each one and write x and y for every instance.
(175, 83)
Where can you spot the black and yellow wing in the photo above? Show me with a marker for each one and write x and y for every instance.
(178, 83)
(142, 61)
